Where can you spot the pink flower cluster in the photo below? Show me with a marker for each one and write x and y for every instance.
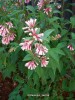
(34, 45)
(41, 4)
(7, 36)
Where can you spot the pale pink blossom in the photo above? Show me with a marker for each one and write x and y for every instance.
(31, 65)
(10, 25)
(26, 45)
(40, 49)
(70, 47)
(47, 10)
(5, 40)
(27, 1)
(7, 36)
(31, 23)
(11, 36)
(44, 62)
(3, 30)
(36, 36)
(40, 4)
(4, 8)
(26, 29)
(59, 6)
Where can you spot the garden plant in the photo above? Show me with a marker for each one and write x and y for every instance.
(37, 49)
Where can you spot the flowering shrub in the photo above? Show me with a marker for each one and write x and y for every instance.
(40, 50)
(37, 49)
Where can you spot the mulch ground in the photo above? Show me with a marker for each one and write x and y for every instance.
(6, 87)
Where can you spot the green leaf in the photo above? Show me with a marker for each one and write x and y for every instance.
(30, 72)
(72, 20)
(72, 85)
(28, 90)
(21, 67)
(14, 93)
(68, 10)
(1, 49)
(39, 71)
(8, 70)
(61, 45)
(51, 20)
(64, 85)
(47, 33)
(73, 4)
(1, 65)
(19, 79)
(18, 97)
(14, 12)
(64, 32)
(27, 57)
(56, 11)
(51, 73)
(15, 56)
(54, 55)
(36, 78)
(30, 8)
(53, 65)
(59, 51)
(73, 72)
(70, 56)
(19, 30)
(73, 35)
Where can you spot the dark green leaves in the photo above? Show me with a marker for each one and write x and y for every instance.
(47, 33)
(27, 57)
(72, 20)
(31, 8)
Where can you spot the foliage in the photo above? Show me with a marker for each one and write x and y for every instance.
(59, 39)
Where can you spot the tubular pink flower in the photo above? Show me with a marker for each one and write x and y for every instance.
(3, 30)
(31, 23)
(11, 37)
(5, 40)
(40, 4)
(10, 25)
(70, 47)
(44, 62)
(59, 6)
(26, 45)
(36, 36)
(7, 36)
(31, 65)
(40, 49)
(47, 10)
